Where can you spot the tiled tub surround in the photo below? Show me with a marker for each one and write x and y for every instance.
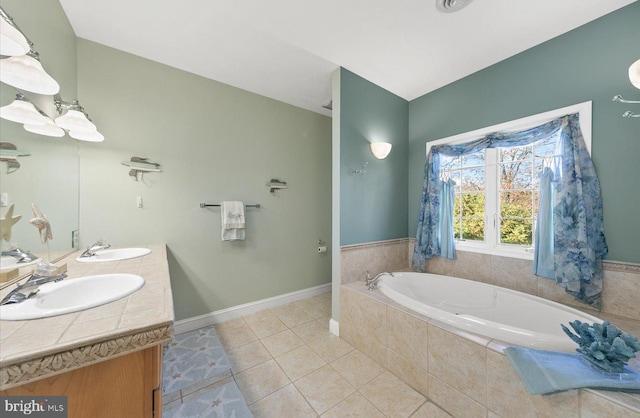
(465, 374)
(620, 296)
(37, 349)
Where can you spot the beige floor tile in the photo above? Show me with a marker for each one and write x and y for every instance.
(236, 337)
(261, 380)
(258, 316)
(291, 315)
(310, 331)
(429, 410)
(355, 406)
(247, 356)
(282, 342)
(230, 324)
(330, 347)
(324, 321)
(314, 309)
(324, 388)
(299, 362)
(392, 396)
(286, 402)
(357, 368)
(268, 326)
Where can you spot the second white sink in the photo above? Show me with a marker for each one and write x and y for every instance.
(72, 295)
(115, 254)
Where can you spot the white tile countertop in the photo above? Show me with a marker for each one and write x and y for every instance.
(36, 349)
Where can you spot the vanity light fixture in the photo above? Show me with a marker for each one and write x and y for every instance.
(48, 129)
(12, 40)
(23, 111)
(76, 121)
(22, 70)
(380, 150)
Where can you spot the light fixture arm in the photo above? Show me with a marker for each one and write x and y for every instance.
(618, 98)
(61, 106)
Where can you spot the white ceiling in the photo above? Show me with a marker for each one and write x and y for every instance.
(287, 49)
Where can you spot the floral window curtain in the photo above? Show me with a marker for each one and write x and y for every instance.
(578, 245)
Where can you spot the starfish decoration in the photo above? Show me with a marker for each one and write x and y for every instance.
(7, 222)
(42, 223)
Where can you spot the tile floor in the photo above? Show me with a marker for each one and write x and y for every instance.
(287, 364)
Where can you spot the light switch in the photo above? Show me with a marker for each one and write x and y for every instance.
(139, 201)
(4, 199)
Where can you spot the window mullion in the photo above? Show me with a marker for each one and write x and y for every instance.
(491, 197)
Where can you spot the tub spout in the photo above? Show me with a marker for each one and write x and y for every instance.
(371, 283)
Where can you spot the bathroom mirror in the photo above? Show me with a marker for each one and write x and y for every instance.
(47, 177)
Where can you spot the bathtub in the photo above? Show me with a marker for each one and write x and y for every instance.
(494, 312)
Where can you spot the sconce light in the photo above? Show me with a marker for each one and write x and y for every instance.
(12, 40)
(76, 121)
(48, 129)
(22, 111)
(634, 77)
(380, 150)
(634, 74)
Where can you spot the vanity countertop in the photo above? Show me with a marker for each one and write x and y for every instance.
(35, 349)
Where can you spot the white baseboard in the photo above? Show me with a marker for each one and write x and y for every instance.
(189, 324)
(334, 327)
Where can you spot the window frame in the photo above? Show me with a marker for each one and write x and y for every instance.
(491, 244)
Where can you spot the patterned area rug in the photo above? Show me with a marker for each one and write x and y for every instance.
(224, 402)
(191, 358)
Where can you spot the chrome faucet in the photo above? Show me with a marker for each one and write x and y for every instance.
(91, 250)
(20, 255)
(24, 291)
(371, 282)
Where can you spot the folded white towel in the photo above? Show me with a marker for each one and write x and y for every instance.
(233, 224)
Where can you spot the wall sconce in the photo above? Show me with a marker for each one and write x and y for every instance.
(380, 150)
(634, 74)
(634, 77)
(22, 69)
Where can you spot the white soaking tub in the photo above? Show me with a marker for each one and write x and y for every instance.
(495, 312)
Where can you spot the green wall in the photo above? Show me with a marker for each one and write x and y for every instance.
(588, 63)
(214, 143)
(373, 206)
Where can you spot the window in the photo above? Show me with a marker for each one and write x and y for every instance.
(497, 189)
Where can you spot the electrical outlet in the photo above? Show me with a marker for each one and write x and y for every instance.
(74, 238)
(4, 199)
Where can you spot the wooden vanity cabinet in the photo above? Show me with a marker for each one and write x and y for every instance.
(125, 386)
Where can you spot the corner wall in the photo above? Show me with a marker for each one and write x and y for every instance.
(215, 143)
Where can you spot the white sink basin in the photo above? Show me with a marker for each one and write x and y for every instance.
(9, 263)
(72, 295)
(115, 254)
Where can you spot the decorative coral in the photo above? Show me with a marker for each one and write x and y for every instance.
(604, 345)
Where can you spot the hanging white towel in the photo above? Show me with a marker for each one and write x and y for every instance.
(233, 225)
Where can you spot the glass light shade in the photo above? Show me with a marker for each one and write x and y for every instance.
(26, 73)
(93, 136)
(12, 42)
(76, 121)
(380, 150)
(22, 112)
(634, 74)
(49, 129)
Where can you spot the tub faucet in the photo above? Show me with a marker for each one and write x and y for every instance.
(24, 291)
(372, 282)
(91, 250)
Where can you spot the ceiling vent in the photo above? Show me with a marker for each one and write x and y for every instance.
(450, 6)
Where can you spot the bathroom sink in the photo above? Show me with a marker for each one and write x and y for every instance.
(8, 263)
(72, 295)
(115, 254)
